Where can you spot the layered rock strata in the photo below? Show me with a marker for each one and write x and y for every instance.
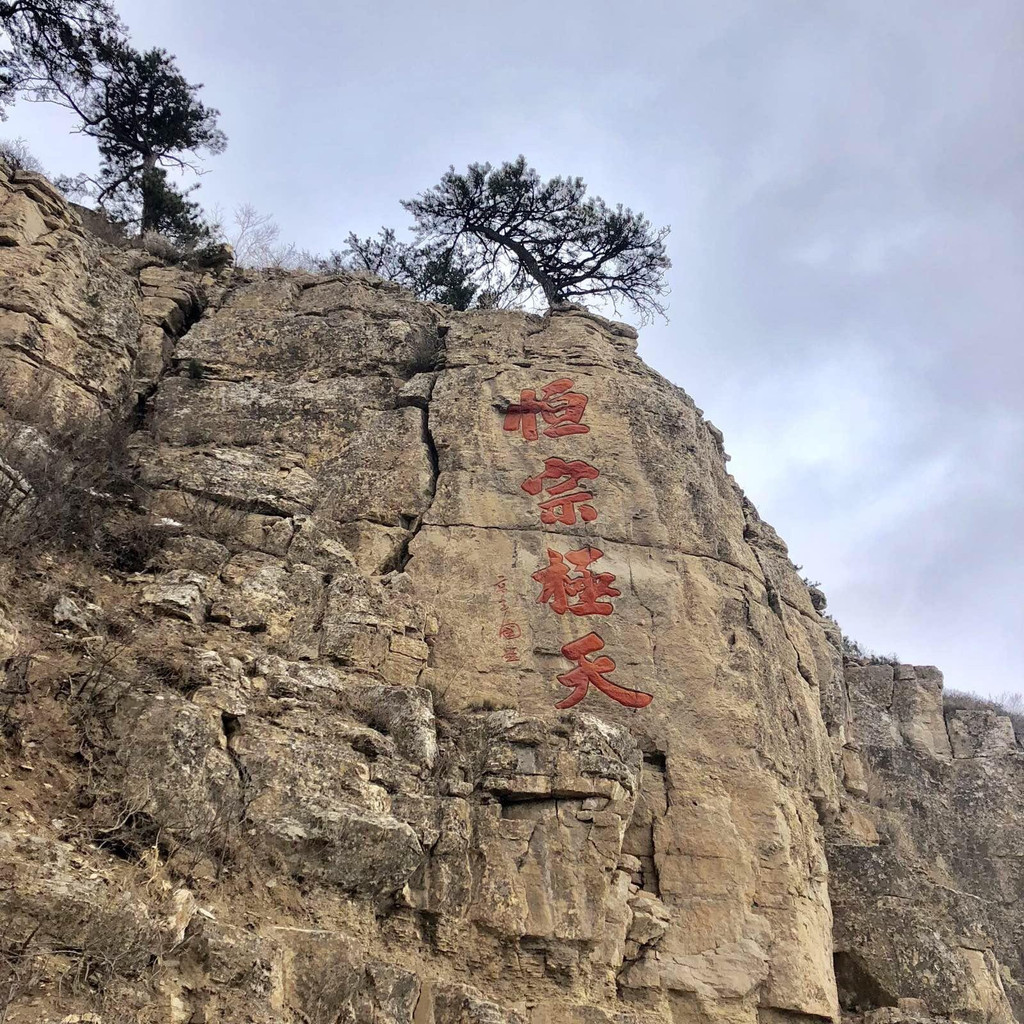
(926, 866)
(457, 683)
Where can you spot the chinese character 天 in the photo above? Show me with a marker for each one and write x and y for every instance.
(586, 672)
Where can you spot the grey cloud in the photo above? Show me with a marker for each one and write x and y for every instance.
(844, 184)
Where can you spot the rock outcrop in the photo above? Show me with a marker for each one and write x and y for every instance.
(925, 870)
(451, 680)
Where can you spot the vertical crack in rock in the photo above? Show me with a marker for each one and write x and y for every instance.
(418, 392)
(232, 726)
(776, 603)
(428, 441)
(650, 612)
(173, 330)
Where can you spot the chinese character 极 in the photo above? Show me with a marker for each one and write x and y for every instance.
(560, 407)
(587, 672)
(573, 587)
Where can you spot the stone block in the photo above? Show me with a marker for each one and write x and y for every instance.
(981, 734)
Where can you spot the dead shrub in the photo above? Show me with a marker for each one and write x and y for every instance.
(215, 835)
(101, 674)
(133, 541)
(176, 671)
(18, 157)
(105, 672)
(82, 945)
(160, 246)
(58, 483)
(112, 940)
(14, 688)
(327, 994)
(214, 520)
(20, 960)
(196, 834)
(853, 651)
(210, 832)
(125, 829)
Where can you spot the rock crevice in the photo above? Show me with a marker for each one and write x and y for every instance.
(459, 683)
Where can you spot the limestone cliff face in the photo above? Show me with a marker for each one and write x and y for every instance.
(460, 684)
(69, 322)
(926, 875)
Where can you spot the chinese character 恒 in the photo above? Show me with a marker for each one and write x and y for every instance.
(560, 407)
(573, 587)
(587, 672)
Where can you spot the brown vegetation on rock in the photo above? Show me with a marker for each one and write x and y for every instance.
(277, 728)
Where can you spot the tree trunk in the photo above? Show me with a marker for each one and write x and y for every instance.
(555, 298)
(148, 222)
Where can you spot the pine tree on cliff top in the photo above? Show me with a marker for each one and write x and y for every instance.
(145, 116)
(435, 273)
(46, 41)
(519, 235)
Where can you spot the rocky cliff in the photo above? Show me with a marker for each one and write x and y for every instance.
(430, 668)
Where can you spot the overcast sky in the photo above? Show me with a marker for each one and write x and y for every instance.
(844, 180)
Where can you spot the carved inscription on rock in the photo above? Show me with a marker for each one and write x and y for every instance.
(569, 583)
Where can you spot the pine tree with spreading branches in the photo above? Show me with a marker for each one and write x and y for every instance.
(518, 235)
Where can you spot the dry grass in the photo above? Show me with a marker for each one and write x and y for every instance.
(80, 945)
(14, 689)
(21, 961)
(857, 652)
(214, 520)
(67, 485)
(1010, 704)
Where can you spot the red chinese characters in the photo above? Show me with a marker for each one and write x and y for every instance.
(570, 474)
(509, 630)
(586, 672)
(563, 510)
(568, 585)
(563, 507)
(559, 406)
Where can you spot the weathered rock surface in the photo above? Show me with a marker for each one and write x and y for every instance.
(925, 863)
(83, 325)
(310, 740)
